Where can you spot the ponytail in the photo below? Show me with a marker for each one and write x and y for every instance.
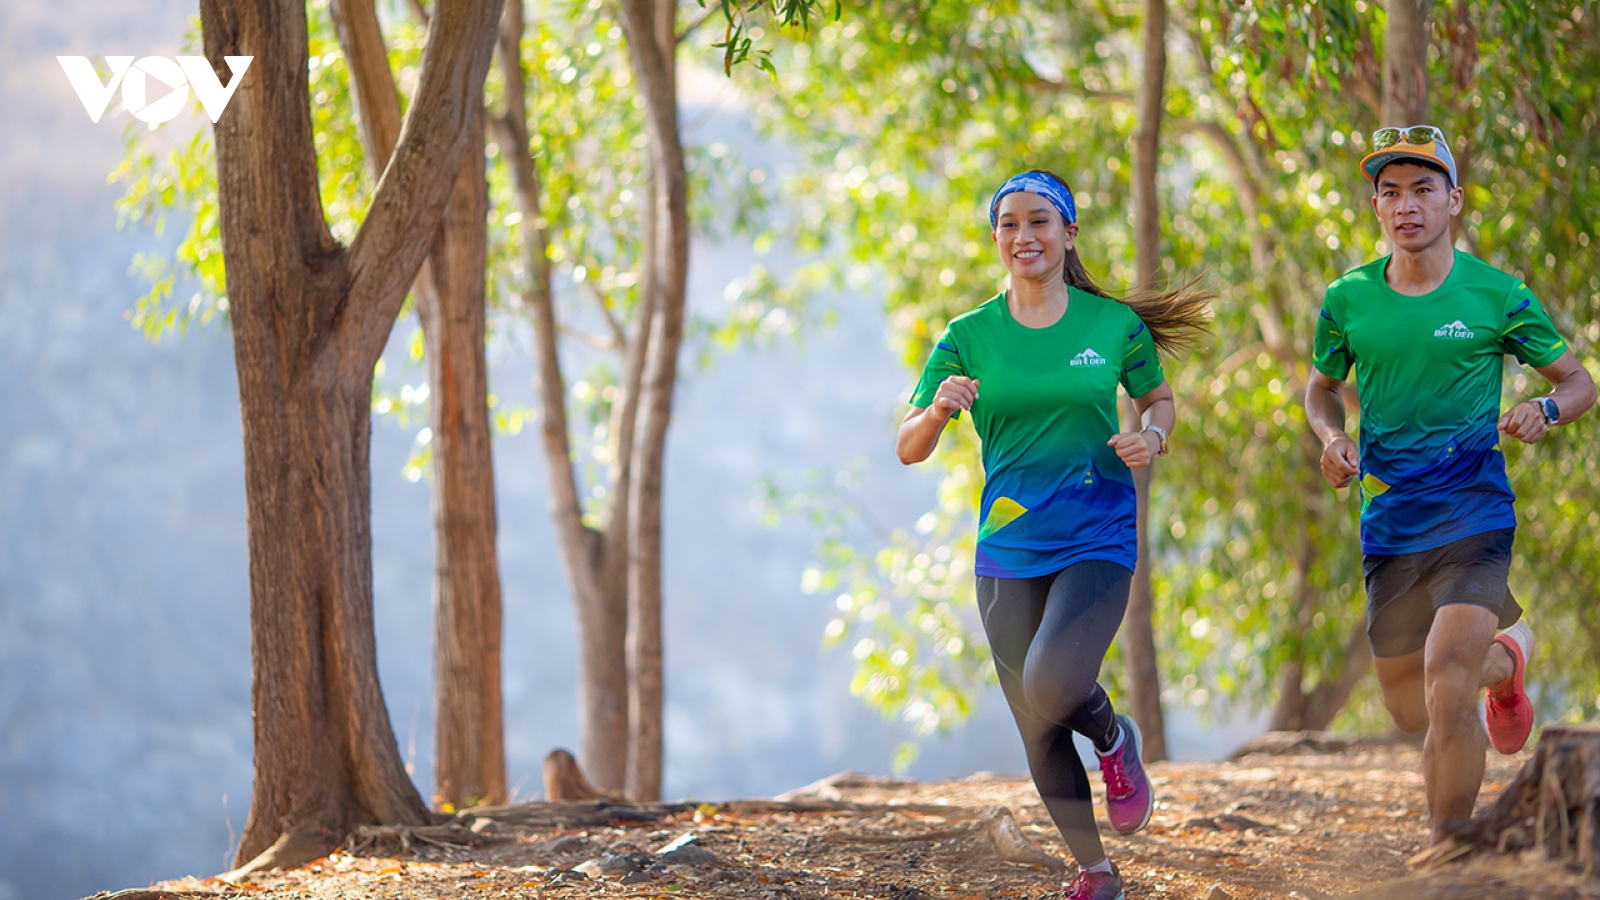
(1178, 319)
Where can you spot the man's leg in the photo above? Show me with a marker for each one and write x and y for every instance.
(1400, 681)
(1460, 660)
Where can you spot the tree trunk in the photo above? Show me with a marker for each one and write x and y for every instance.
(469, 767)
(1139, 642)
(1405, 62)
(470, 764)
(310, 319)
(652, 44)
(595, 558)
(1298, 709)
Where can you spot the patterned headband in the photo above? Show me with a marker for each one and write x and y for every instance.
(1044, 186)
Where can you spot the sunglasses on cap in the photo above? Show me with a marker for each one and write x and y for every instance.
(1416, 135)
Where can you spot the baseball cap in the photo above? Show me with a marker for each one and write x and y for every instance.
(1415, 143)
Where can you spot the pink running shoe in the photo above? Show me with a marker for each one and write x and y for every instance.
(1129, 798)
(1094, 886)
(1508, 712)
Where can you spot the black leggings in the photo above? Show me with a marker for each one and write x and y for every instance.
(1048, 636)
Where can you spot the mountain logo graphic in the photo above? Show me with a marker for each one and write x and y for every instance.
(1454, 331)
(1088, 358)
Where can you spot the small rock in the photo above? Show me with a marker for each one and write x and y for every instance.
(682, 840)
(1217, 893)
(570, 843)
(613, 866)
(482, 825)
(564, 876)
(689, 855)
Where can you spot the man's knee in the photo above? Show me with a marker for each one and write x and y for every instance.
(1450, 683)
(1407, 710)
(1400, 683)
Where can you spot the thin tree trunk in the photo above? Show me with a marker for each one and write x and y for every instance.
(309, 321)
(652, 44)
(469, 766)
(594, 558)
(1139, 643)
(1405, 62)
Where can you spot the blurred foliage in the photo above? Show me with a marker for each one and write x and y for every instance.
(587, 138)
(910, 114)
(905, 115)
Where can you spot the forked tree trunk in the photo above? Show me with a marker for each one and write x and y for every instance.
(469, 757)
(1138, 631)
(309, 321)
(652, 43)
(595, 558)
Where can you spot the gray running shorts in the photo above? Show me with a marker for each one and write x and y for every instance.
(1404, 591)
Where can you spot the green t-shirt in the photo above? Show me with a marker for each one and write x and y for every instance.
(1054, 494)
(1429, 370)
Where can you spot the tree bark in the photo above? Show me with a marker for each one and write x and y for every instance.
(469, 767)
(310, 318)
(1139, 643)
(595, 557)
(1298, 709)
(652, 45)
(1405, 62)
(469, 747)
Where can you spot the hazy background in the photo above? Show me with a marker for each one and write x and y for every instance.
(124, 641)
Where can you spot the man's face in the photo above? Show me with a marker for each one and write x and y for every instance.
(1415, 204)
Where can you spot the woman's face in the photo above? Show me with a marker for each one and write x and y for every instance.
(1032, 236)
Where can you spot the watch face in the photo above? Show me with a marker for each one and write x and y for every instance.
(1551, 411)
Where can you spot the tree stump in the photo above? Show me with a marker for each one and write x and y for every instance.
(563, 779)
(1551, 808)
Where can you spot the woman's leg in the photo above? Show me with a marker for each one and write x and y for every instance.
(1082, 613)
(1012, 610)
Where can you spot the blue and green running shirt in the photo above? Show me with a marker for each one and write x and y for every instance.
(1429, 370)
(1054, 494)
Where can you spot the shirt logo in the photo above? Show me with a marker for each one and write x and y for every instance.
(1088, 358)
(1455, 331)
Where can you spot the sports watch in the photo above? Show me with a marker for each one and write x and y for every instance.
(1161, 437)
(1552, 412)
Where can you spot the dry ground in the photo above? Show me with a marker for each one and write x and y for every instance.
(1296, 822)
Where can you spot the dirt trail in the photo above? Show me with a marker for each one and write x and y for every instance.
(1294, 823)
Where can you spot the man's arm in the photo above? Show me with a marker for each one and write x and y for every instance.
(1325, 412)
(1573, 392)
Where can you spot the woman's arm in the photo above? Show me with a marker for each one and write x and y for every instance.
(922, 426)
(1155, 407)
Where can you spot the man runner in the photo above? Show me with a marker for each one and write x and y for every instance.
(1426, 329)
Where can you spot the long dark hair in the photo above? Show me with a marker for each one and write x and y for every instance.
(1178, 319)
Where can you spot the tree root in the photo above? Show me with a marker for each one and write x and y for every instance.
(291, 849)
(449, 836)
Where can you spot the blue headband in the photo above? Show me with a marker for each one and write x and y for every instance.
(1044, 186)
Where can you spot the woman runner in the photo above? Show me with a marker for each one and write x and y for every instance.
(1057, 538)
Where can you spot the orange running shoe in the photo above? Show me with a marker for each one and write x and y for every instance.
(1508, 712)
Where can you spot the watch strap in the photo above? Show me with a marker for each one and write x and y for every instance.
(1161, 437)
